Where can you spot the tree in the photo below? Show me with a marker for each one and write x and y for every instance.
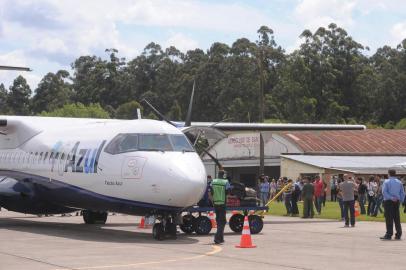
(175, 113)
(128, 110)
(53, 92)
(19, 97)
(93, 110)
(3, 99)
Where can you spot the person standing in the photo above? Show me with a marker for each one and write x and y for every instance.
(273, 188)
(340, 198)
(333, 189)
(393, 195)
(318, 193)
(307, 196)
(347, 188)
(288, 197)
(295, 197)
(264, 188)
(219, 188)
(362, 191)
(378, 198)
(372, 189)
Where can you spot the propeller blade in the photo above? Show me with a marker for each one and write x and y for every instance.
(160, 115)
(188, 121)
(15, 68)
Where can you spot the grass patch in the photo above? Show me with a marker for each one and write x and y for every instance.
(330, 211)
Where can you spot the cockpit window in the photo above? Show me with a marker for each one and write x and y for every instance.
(180, 143)
(123, 143)
(155, 142)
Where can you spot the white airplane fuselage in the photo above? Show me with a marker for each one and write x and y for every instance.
(102, 165)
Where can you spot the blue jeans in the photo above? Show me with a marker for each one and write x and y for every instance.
(318, 202)
(378, 204)
(264, 198)
(362, 200)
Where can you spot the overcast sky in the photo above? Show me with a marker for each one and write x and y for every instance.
(48, 35)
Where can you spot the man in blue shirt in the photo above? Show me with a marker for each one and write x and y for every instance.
(393, 195)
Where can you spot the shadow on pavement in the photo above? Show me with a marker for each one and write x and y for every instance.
(302, 221)
(93, 233)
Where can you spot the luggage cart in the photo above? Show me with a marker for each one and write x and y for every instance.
(195, 219)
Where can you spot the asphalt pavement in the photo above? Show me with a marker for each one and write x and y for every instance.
(51, 243)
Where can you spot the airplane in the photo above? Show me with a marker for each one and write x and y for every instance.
(59, 165)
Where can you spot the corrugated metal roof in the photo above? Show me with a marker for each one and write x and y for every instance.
(357, 164)
(372, 141)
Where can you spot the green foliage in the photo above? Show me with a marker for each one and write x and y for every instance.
(18, 99)
(401, 124)
(328, 79)
(175, 112)
(3, 100)
(128, 110)
(78, 110)
(53, 92)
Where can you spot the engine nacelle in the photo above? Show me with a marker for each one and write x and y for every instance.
(21, 197)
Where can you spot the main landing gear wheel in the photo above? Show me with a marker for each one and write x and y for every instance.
(236, 223)
(158, 231)
(202, 225)
(256, 224)
(170, 229)
(188, 225)
(92, 217)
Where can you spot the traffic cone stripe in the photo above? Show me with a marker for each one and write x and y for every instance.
(246, 241)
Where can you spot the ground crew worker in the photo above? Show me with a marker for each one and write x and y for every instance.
(219, 188)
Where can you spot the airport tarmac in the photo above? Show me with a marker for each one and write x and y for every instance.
(51, 243)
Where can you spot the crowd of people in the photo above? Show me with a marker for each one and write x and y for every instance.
(312, 191)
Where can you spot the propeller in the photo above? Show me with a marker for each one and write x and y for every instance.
(15, 68)
(160, 115)
(188, 121)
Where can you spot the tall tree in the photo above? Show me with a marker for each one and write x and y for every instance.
(53, 92)
(19, 97)
(3, 99)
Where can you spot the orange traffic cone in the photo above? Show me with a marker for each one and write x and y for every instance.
(356, 207)
(246, 236)
(212, 220)
(142, 224)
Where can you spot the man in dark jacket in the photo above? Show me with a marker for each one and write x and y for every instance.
(307, 196)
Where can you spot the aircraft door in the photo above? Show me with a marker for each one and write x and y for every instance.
(132, 167)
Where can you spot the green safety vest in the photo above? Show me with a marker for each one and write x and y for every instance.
(219, 191)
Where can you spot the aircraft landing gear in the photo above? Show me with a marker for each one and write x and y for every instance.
(164, 229)
(92, 217)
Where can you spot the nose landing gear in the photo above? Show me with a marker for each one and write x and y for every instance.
(164, 229)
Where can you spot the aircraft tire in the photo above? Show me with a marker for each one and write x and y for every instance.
(236, 223)
(202, 225)
(170, 229)
(188, 225)
(91, 217)
(158, 232)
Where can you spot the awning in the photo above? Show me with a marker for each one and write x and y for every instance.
(355, 164)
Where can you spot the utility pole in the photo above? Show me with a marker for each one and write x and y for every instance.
(261, 154)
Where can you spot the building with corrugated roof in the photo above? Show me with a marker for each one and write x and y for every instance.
(310, 152)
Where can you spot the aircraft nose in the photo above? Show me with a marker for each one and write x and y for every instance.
(190, 175)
